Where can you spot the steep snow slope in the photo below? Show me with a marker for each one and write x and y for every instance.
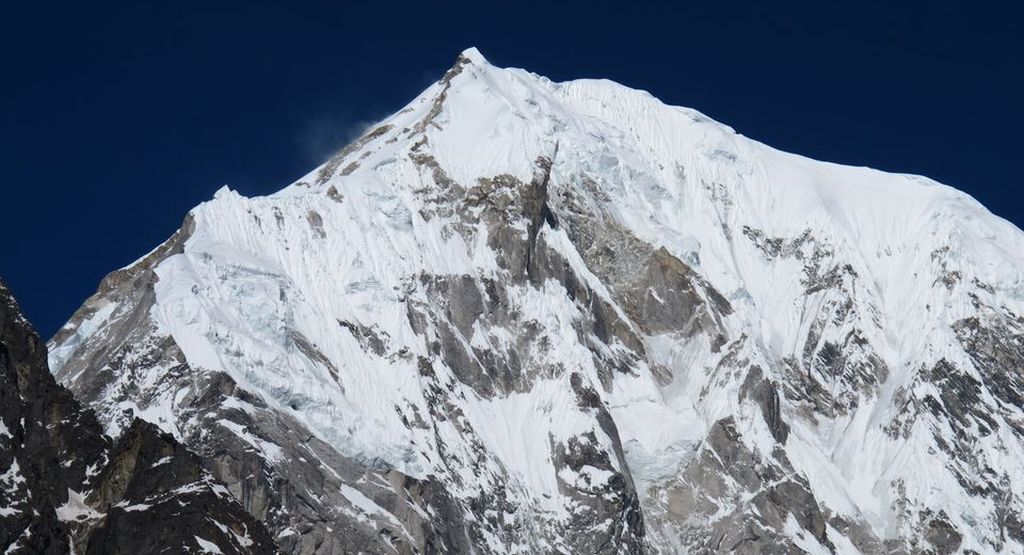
(526, 316)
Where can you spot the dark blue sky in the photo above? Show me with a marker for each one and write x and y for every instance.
(116, 119)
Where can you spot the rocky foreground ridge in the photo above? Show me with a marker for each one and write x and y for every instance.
(66, 487)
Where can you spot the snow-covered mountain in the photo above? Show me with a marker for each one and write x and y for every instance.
(527, 316)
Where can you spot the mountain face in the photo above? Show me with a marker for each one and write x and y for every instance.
(65, 487)
(527, 316)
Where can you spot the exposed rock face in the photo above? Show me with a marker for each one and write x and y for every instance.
(66, 487)
(50, 444)
(525, 316)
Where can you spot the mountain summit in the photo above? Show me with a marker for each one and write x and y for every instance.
(528, 316)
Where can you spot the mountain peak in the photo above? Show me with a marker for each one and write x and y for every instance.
(569, 317)
(473, 55)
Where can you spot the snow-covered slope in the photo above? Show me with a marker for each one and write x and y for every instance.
(523, 316)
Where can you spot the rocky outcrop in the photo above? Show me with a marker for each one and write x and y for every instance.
(66, 487)
(50, 443)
